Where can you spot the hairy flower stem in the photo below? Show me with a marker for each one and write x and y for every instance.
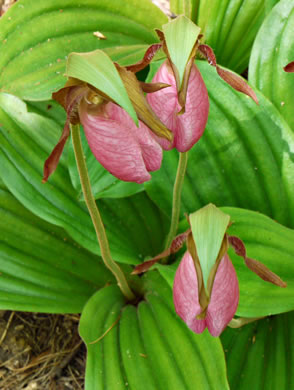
(177, 192)
(95, 215)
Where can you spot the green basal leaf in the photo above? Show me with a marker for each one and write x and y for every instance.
(147, 346)
(41, 268)
(230, 27)
(244, 156)
(126, 55)
(271, 244)
(37, 36)
(180, 35)
(273, 49)
(104, 184)
(2, 185)
(48, 109)
(260, 355)
(135, 227)
(269, 4)
(188, 8)
(97, 69)
(209, 226)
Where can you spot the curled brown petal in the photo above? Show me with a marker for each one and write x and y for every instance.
(69, 97)
(264, 273)
(290, 67)
(148, 56)
(237, 245)
(153, 87)
(256, 266)
(52, 161)
(176, 245)
(232, 79)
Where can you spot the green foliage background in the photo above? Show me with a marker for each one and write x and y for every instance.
(244, 163)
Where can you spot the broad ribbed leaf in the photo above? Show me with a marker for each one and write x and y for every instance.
(41, 268)
(230, 27)
(147, 346)
(37, 36)
(98, 328)
(135, 227)
(265, 241)
(260, 355)
(244, 158)
(273, 49)
(188, 8)
(127, 54)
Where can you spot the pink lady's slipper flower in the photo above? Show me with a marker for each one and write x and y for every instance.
(128, 152)
(189, 126)
(223, 301)
(183, 107)
(205, 288)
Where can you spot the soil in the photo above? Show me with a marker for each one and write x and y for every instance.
(40, 351)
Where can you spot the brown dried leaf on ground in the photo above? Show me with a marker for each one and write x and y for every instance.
(5, 4)
(40, 351)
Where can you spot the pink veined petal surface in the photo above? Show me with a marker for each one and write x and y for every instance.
(127, 152)
(188, 127)
(224, 298)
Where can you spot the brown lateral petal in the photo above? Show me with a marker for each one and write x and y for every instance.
(178, 241)
(237, 83)
(53, 160)
(264, 273)
(176, 245)
(290, 67)
(160, 35)
(69, 98)
(208, 53)
(256, 266)
(238, 246)
(139, 269)
(148, 56)
(152, 87)
(230, 78)
(142, 108)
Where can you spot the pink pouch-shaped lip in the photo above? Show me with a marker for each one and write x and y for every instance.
(127, 152)
(224, 298)
(188, 127)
